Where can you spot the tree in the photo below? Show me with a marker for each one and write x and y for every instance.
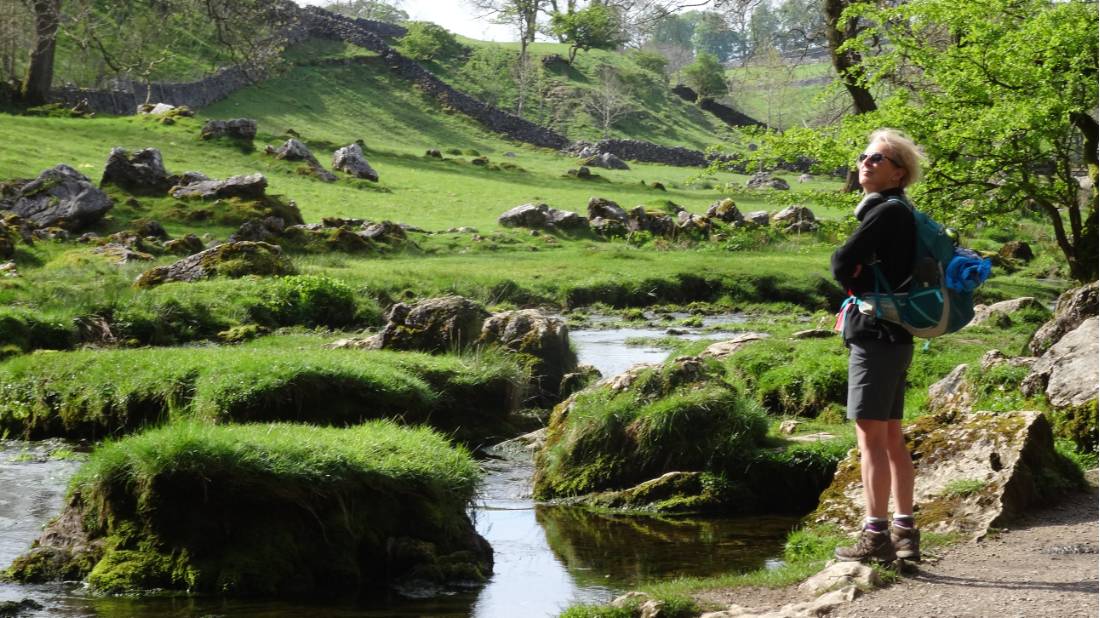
(1002, 94)
(608, 102)
(847, 61)
(16, 28)
(593, 27)
(426, 41)
(706, 76)
(713, 36)
(652, 61)
(35, 89)
(523, 16)
(379, 10)
(673, 29)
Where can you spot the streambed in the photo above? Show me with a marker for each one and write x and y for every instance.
(547, 557)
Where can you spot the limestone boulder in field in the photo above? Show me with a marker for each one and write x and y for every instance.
(606, 209)
(764, 180)
(973, 472)
(795, 219)
(542, 216)
(1073, 307)
(251, 186)
(726, 211)
(760, 218)
(231, 259)
(984, 313)
(243, 129)
(433, 325)
(541, 336)
(142, 173)
(350, 159)
(606, 160)
(1067, 373)
(59, 197)
(294, 150)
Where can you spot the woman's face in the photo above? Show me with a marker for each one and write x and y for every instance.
(879, 169)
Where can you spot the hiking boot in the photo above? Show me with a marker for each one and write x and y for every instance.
(906, 542)
(871, 547)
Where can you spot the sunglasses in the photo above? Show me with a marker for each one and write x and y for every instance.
(877, 158)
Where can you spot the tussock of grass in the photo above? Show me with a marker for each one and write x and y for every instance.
(86, 394)
(272, 509)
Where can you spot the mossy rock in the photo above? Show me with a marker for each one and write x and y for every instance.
(232, 259)
(276, 511)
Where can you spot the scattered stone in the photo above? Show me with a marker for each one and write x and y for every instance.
(351, 159)
(294, 150)
(600, 207)
(805, 178)
(255, 230)
(243, 129)
(994, 358)
(142, 173)
(1067, 373)
(814, 333)
(544, 337)
(1001, 453)
(121, 254)
(14, 609)
(187, 245)
(607, 228)
(526, 215)
(722, 349)
(764, 180)
(232, 259)
(384, 231)
(8, 270)
(841, 575)
(952, 394)
(509, 154)
(251, 186)
(155, 109)
(725, 210)
(606, 160)
(582, 172)
(658, 185)
(148, 228)
(60, 197)
(433, 153)
(1073, 307)
(801, 227)
(982, 313)
(1016, 250)
(480, 161)
(432, 325)
(188, 178)
(761, 218)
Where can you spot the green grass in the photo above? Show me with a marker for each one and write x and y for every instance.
(95, 394)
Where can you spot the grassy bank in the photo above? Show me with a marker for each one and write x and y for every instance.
(238, 510)
(96, 394)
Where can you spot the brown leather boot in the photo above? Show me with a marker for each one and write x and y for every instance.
(871, 547)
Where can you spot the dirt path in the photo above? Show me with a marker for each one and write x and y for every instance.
(1045, 565)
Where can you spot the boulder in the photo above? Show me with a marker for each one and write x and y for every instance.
(121, 254)
(608, 161)
(1067, 373)
(60, 197)
(188, 178)
(792, 215)
(232, 259)
(801, 227)
(759, 218)
(294, 150)
(805, 178)
(1016, 250)
(255, 230)
(188, 245)
(725, 210)
(1073, 307)
(155, 109)
(566, 220)
(952, 393)
(607, 227)
(973, 472)
(841, 575)
(526, 215)
(243, 129)
(764, 180)
(541, 336)
(722, 349)
(983, 313)
(600, 207)
(251, 186)
(350, 159)
(149, 228)
(384, 231)
(433, 153)
(693, 224)
(994, 358)
(433, 325)
(143, 173)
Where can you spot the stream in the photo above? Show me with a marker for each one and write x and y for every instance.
(546, 557)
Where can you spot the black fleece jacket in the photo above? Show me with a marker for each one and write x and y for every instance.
(887, 232)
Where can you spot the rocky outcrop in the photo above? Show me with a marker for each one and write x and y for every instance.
(983, 313)
(142, 173)
(1067, 373)
(725, 210)
(60, 197)
(542, 216)
(294, 150)
(252, 186)
(433, 325)
(764, 180)
(606, 160)
(1073, 307)
(350, 159)
(599, 207)
(542, 337)
(232, 259)
(241, 129)
(973, 471)
(795, 219)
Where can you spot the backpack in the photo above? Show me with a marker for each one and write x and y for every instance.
(934, 300)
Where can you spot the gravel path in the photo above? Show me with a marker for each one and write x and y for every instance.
(1044, 565)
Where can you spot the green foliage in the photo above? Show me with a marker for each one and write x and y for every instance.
(27, 330)
(310, 300)
(706, 76)
(593, 27)
(427, 41)
(961, 488)
(651, 61)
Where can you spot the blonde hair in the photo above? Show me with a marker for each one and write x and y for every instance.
(905, 152)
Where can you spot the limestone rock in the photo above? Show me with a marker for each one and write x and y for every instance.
(793, 215)
(1068, 372)
(143, 173)
(566, 220)
(294, 150)
(1005, 462)
(187, 245)
(982, 313)
(764, 180)
(384, 231)
(251, 186)
(607, 227)
(350, 159)
(952, 393)
(243, 129)
(232, 259)
(606, 209)
(723, 349)
(758, 217)
(60, 197)
(606, 160)
(525, 215)
(545, 337)
(725, 210)
(1016, 250)
(994, 358)
(433, 325)
(814, 333)
(1073, 307)
(841, 575)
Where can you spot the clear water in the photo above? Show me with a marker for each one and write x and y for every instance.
(546, 558)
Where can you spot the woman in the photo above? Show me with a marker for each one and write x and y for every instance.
(880, 352)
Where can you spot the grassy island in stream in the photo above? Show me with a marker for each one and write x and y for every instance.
(95, 394)
(266, 509)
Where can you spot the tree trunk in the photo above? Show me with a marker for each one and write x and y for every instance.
(36, 85)
(847, 65)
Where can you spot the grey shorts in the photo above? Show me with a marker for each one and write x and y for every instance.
(876, 379)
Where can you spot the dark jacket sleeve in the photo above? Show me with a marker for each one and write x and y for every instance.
(880, 225)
